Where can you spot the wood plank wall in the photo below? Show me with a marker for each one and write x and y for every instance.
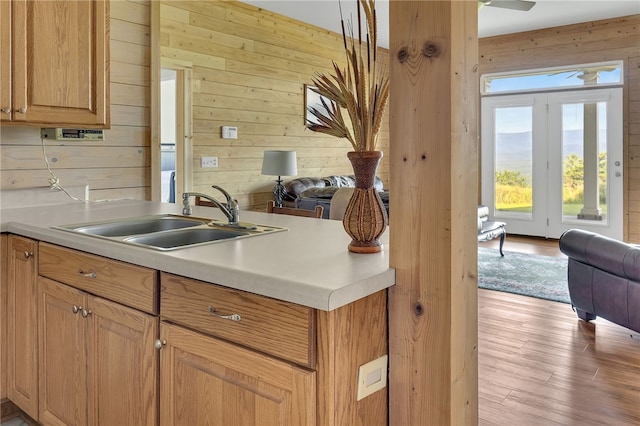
(249, 70)
(606, 40)
(117, 167)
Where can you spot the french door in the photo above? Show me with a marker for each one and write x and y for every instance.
(553, 161)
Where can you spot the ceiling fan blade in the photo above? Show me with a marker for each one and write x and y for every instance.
(522, 5)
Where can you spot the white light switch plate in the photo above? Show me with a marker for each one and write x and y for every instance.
(229, 132)
(372, 377)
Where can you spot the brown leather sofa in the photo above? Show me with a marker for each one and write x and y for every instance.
(604, 277)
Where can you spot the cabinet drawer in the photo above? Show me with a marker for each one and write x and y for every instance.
(282, 329)
(122, 282)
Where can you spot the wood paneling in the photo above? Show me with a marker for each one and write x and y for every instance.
(606, 40)
(117, 167)
(249, 71)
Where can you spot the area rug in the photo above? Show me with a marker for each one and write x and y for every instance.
(544, 277)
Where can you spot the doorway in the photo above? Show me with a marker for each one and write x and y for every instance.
(553, 161)
(175, 133)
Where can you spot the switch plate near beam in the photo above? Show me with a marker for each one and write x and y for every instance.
(372, 377)
(229, 132)
(209, 162)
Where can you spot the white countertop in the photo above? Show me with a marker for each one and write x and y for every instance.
(309, 264)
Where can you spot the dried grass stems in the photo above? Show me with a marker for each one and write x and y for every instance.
(362, 89)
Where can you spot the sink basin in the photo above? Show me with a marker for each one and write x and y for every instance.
(168, 232)
(135, 226)
(185, 237)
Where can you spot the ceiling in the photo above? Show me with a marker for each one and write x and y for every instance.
(491, 20)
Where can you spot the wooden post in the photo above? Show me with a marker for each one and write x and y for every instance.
(433, 223)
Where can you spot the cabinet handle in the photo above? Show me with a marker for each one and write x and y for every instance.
(159, 344)
(76, 309)
(27, 254)
(232, 317)
(6, 110)
(21, 110)
(86, 274)
(86, 313)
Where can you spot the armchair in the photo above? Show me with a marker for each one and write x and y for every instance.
(488, 229)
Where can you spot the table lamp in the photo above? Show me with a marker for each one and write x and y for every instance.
(279, 163)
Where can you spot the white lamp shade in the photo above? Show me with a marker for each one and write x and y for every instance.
(279, 163)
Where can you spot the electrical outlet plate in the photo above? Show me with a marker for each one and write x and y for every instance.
(208, 162)
(372, 377)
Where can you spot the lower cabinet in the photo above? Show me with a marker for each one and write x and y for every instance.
(86, 347)
(205, 380)
(22, 326)
(98, 364)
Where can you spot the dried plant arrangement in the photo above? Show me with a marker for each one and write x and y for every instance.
(362, 89)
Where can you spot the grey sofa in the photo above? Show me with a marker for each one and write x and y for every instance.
(309, 192)
(604, 277)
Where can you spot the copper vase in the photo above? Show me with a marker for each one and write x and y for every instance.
(365, 218)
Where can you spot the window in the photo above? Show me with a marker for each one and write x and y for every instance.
(573, 76)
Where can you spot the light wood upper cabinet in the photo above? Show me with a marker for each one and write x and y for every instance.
(22, 324)
(60, 63)
(5, 60)
(205, 380)
(98, 362)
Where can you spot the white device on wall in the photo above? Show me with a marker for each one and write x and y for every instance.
(61, 134)
(229, 132)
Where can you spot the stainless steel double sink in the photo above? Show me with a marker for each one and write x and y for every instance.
(168, 232)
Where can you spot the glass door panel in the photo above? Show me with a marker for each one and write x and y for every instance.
(513, 135)
(584, 161)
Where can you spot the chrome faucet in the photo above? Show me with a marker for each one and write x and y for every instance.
(231, 210)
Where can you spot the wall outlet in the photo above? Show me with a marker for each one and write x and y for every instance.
(208, 162)
(229, 132)
(372, 377)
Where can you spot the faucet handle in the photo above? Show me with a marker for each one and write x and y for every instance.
(225, 193)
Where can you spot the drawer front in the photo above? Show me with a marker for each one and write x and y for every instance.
(282, 329)
(122, 282)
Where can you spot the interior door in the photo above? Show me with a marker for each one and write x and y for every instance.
(553, 161)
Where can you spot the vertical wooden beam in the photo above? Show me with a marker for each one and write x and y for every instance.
(154, 78)
(434, 161)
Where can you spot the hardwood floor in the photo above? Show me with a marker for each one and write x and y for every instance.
(540, 365)
(535, 245)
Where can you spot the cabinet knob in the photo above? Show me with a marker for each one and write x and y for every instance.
(27, 254)
(22, 110)
(76, 309)
(6, 110)
(86, 313)
(159, 344)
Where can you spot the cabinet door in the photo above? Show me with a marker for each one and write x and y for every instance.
(122, 364)
(5, 60)
(63, 379)
(4, 377)
(204, 380)
(60, 70)
(22, 324)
